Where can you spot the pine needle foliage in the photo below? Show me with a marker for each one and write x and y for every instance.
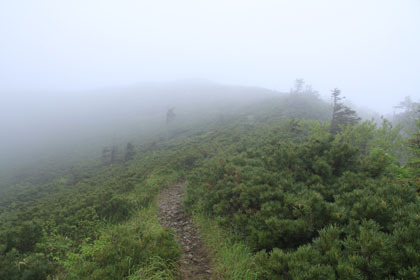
(342, 114)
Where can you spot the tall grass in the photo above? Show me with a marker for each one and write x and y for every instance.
(231, 260)
(157, 269)
(136, 248)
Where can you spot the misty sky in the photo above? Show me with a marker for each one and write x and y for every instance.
(368, 48)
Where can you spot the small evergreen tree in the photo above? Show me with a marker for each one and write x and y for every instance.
(110, 155)
(129, 152)
(407, 113)
(298, 88)
(342, 115)
(170, 115)
(301, 88)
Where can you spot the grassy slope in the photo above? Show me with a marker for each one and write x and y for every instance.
(102, 225)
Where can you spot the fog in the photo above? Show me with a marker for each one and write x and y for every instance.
(38, 119)
(65, 66)
(47, 128)
(369, 49)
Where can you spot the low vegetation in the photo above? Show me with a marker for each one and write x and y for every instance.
(312, 205)
(275, 196)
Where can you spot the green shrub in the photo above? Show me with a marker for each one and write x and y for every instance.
(317, 207)
(122, 250)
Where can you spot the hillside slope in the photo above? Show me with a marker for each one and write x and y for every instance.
(284, 199)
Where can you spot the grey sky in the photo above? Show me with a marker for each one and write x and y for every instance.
(368, 48)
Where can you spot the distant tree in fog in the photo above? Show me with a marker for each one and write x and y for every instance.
(407, 105)
(407, 113)
(298, 88)
(110, 155)
(129, 152)
(302, 88)
(342, 115)
(170, 115)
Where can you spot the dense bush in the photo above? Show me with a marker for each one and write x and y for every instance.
(316, 206)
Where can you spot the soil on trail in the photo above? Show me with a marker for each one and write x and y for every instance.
(195, 262)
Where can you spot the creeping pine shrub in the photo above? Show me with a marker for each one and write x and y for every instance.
(322, 207)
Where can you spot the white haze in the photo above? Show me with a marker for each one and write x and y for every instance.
(78, 74)
(369, 49)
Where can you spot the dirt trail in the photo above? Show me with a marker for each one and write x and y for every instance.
(195, 262)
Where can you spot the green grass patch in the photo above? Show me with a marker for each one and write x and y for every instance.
(138, 249)
(231, 260)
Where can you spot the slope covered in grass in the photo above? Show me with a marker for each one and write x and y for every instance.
(275, 194)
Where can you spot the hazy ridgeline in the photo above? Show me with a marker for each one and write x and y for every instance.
(283, 181)
(44, 132)
(66, 127)
(267, 171)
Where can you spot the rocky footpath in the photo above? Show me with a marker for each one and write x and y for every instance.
(195, 262)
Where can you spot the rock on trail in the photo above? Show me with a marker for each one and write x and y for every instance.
(195, 262)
